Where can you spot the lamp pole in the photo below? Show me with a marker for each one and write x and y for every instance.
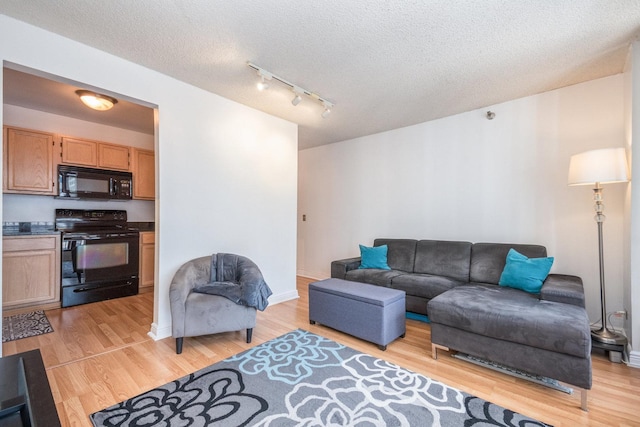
(604, 334)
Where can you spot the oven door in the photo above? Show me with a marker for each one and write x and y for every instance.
(98, 266)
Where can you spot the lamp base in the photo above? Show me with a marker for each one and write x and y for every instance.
(606, 336)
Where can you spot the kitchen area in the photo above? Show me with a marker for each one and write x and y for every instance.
(78, 195)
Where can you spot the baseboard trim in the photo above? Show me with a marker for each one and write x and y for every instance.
(309, 275)
(634, 359)
(285, 296)
(158, 333)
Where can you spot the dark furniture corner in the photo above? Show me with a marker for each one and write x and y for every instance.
(25, 396)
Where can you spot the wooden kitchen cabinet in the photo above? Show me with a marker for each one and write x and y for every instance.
(147, 260)
(79, 152)
(94, 154)
(144, 174)
(111, 156)
(30, 271)
(28, 167)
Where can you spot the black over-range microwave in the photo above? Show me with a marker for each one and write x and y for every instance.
(85, 183)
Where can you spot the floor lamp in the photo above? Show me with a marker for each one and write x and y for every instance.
(598, 167)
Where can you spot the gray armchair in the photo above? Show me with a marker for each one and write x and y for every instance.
(198, 306)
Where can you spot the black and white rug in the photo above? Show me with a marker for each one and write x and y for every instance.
(302, 379)
(25, 325)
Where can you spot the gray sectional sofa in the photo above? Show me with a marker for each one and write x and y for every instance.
(456, 285)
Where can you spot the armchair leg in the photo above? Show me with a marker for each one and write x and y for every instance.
(249, 332)
(179, 345)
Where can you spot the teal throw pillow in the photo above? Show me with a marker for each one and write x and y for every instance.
(375, 257)
(524, 273)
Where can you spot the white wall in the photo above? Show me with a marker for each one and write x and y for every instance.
(468, 178)
(226, 173)
(19, 207)
(632, 282)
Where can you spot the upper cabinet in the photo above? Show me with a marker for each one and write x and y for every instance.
(94, 154)
(144, 174)
(28, 167)
(112, 156)
(79, 152)
(31, 160)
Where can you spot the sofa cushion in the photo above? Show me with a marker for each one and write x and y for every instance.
(488, 259)
(511, 315)
(401, 254)
(375, 257)
(525, 273)
(372, 276)
(424, 285)
(443, 258)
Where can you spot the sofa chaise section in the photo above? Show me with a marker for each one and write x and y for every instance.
(457, 285)
(516, 329)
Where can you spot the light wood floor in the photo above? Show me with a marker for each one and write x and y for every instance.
(100, 354)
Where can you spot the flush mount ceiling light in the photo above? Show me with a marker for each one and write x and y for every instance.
(96, 101)
(297, 90)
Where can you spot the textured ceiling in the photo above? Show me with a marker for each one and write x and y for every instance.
(385, 64)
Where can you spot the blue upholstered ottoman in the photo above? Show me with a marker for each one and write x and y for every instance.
(372, 313)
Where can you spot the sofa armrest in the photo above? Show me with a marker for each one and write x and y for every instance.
(563, 288)
(339, 268)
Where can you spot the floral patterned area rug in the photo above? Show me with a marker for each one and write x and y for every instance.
(25, 325)
(304, 379)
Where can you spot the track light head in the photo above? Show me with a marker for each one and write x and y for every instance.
(296, 95)
(262, 85)
(327, 109)
(264, 75)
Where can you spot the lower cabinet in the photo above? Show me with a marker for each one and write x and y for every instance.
(30, 271)
(147, 260)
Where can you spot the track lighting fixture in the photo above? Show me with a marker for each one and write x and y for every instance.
(262, 85)
(297, 90)
(296, 98)
(327, 110)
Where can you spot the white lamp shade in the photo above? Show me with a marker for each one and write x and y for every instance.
(599, 166)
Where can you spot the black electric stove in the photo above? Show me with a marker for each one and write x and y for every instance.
(100, 255)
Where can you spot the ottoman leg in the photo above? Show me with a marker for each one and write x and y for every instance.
(382, 347)
(313, 322)
(434, 349)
